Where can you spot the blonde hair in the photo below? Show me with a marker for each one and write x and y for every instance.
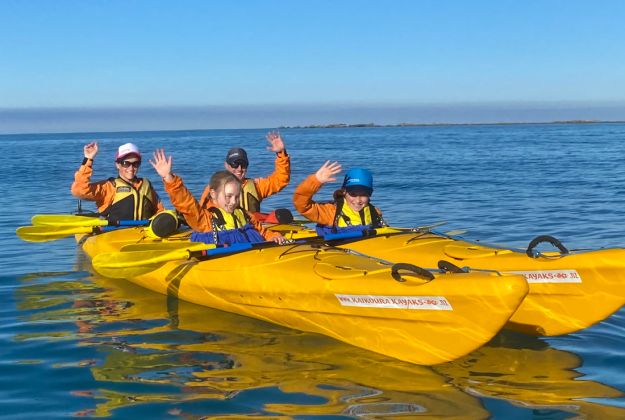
(219, 180)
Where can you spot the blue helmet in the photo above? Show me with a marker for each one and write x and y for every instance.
(358, 177)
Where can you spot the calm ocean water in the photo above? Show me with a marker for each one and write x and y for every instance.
(74, 344)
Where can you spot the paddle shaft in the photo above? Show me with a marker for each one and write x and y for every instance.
(77, 220)
(242, 247)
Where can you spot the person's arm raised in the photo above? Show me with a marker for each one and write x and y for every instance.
(162, 164)
(90, 150)
(327, 172)
(276, 144)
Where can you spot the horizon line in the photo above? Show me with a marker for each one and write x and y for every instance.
(177, 118)
(335, 126)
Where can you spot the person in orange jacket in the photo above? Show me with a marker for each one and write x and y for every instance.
(351, 209)
(253, 191)
(124, 197)
(219, 220)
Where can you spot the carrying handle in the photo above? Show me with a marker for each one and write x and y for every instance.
(448, 267)
(412, 269)
(544, 238)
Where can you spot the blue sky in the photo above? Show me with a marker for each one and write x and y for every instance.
(80, 65)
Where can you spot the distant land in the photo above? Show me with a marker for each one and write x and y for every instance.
(333, 116)
(374, 125)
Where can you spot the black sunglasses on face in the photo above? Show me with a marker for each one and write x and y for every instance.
(127, 163)
(238, 163)
(358, 192)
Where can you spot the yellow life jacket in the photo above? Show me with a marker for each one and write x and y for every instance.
(345, 216)
(249, 198)
(130, 203)
(222, 220)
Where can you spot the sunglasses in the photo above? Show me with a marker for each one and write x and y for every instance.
(127, 164)
(237, 163)
(358, 192)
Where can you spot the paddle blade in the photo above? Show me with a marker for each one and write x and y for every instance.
(66, 220)
(130, 264)
(420, 229)
(126, 272)
(302, 221)
(433, 225)
(164, 246)
(286, 228)
(49, 233)
(455, 232)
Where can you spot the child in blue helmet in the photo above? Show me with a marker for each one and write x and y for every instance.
(350, 210)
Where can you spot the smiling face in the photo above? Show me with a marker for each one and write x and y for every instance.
(237, 168)
(227, 197)
(127, 167)
(357, 198)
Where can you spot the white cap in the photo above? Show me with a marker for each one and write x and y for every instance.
(127, 149)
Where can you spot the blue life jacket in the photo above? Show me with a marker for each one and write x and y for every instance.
(323, 230)
(229, 229)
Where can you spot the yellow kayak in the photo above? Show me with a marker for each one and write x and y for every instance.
(392, 309)
(568, 291)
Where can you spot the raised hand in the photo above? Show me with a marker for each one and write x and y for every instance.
(90, 150)
(276, 144)
(278, 239)
(327, 171)
(162, 164)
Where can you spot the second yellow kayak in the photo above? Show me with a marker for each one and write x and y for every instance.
(567, 291)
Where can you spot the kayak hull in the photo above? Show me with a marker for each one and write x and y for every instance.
(566, 292)
(334, 292)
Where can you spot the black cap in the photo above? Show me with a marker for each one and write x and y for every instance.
(236, 154)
